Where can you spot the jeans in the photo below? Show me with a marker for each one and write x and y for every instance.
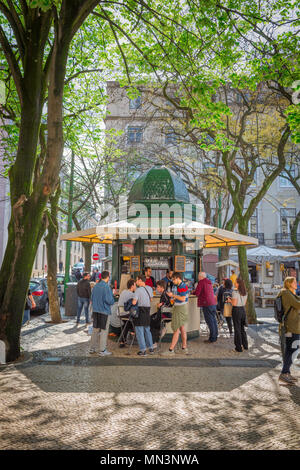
(211, 321)
(239, 322)
(82, 302)
(26, 316)
(292, 344)
(142, 333)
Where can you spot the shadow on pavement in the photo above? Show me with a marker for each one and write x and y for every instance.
(73, 374)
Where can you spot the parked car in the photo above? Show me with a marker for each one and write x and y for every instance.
(77, 266)
(39, 290)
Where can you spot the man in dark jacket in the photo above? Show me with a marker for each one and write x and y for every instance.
(84, 295)
(206, 300)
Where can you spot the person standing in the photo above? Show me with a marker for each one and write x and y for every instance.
(83, 299)
(179, 314)
(233, 277)
(291, 306)
(207, 300)
(126, 295)
(150, 281)
(102, 300)
(225, 292)
(29, 304)
(155, 321)
(239, 300)
(142, 298)
(95, 275)
(168, 280)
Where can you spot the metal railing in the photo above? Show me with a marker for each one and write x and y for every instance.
(284, 239)
(260, 236)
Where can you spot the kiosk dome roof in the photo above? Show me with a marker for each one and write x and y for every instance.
(159, 184)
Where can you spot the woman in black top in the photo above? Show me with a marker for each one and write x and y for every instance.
(155, 321)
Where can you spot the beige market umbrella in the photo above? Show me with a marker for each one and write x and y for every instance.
(212, 237)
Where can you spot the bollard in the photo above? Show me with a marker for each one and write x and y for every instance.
(2, 353)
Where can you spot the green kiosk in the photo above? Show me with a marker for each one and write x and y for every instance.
(158, 227)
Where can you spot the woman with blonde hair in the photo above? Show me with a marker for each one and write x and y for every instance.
(291, 307)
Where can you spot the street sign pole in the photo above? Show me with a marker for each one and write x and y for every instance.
(69, 229)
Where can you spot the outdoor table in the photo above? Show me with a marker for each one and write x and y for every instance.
(193, 323)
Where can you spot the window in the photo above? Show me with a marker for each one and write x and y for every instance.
(135, 103)
(283, 181)
(134, 134)
(287, 218)
(253, 223)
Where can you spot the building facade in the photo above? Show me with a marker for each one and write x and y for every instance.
(146, 131)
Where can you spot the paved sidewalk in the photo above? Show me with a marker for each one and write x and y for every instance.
(211, 399)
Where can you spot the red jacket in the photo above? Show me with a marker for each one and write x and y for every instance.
(205, 293)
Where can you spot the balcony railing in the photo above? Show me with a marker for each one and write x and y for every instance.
(284, 239)
(260, 236)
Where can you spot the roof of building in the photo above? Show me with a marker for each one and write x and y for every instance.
(159, 184)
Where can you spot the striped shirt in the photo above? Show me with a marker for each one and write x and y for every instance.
(182, 291)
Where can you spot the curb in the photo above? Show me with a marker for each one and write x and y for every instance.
(24, 357)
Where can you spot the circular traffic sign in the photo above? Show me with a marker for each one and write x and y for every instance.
(95, 257)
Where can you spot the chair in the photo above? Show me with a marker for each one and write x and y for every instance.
(125, 316)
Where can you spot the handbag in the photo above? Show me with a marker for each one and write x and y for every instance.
(227, 310)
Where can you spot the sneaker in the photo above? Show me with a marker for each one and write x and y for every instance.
(184, 351)
(286, 378)
(104, 353)
(169, 353)
(142, 353)
(151, 351)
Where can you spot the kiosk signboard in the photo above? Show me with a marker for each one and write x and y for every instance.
(179, 264)
(135, 264)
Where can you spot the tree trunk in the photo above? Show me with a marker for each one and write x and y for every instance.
(294, 232)
(24, 234)
(87, 256)
(28, 197)
(51, 244)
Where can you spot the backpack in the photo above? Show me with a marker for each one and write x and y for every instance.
(132, 309)
(279, 310)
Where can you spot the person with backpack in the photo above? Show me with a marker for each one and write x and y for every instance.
(289, 318)
(238, 301)
(142, 297)
(225, 292)
(125, 296)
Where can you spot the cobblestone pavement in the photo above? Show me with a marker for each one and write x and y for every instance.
(211, 399)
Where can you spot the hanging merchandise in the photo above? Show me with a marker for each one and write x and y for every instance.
(281, 267)
(268, 265)
(257, 267)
